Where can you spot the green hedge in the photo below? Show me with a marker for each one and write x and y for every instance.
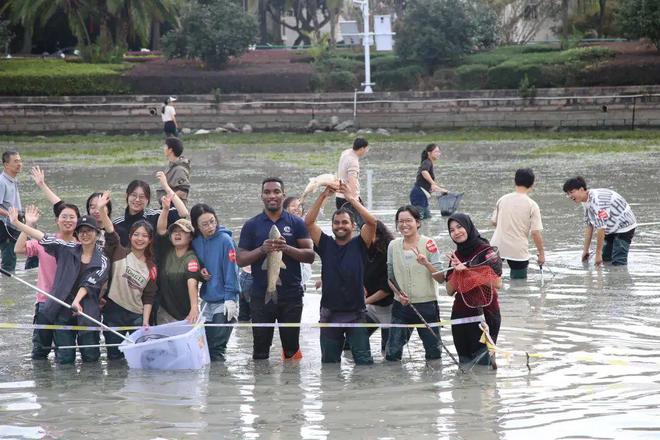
(58, 77)
(472, 76)
(334, 81)
(338, 63)
(403, 78)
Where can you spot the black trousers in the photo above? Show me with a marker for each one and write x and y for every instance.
(286, 310)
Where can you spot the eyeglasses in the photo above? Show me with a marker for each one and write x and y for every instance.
(86, 231)
(208, 224)
(406, 220)
(136, 196)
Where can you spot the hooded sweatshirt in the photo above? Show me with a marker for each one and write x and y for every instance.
(178, 176)
(217, 254)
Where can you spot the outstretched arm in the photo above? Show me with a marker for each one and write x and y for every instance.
(31, 219)
(29, 230)
(368, 231)
(176, 200)
(102, 205)
(39, 178)
(313, 213)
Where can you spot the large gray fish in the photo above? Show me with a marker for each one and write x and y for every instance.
(272, 265)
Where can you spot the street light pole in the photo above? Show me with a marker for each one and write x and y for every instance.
(366, 43)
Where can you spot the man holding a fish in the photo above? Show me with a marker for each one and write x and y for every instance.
(274, 243)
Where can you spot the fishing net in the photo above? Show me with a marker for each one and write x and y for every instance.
(149, 337)
(475, 285)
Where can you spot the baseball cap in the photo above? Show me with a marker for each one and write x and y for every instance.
(182, 223)
(89, 221)
(172, 98)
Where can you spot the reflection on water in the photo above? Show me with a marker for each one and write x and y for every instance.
(592, 332)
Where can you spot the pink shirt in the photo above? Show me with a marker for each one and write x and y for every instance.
(47, 268)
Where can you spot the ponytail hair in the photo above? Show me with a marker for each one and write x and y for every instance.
(162, 109)
(427, 151)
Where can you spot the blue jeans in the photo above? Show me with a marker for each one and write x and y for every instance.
(400, 336)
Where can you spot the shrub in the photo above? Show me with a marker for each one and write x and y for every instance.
(338, 63)
(58, 77)
(639, 19)
(337, 81)
(386, 62)
(403, 78)
(212, 31)
(434, 31)
(472, 76)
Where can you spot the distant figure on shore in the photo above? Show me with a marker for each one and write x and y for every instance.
(348, 171)
(516, 216)
(610, 215)
(425, 182)
(168, 114)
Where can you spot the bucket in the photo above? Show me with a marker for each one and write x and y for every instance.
(449, 203)
(174, 346)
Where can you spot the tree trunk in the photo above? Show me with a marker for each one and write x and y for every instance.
(155, 35)
(27, 40)
(601, 17)
(263, 25)
(564, 20)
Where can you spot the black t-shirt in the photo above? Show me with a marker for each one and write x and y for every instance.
(426, 165)
(342, 274)
(375, 276)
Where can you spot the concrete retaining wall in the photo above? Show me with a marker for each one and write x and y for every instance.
(612, 107)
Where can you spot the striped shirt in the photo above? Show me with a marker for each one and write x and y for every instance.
(606, 209)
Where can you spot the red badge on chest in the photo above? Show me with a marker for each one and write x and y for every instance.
(602, 214)
(231, 255)
(431, 247)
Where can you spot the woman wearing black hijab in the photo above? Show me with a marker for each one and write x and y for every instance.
(466, 336)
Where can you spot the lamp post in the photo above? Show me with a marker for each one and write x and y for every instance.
(366, 43)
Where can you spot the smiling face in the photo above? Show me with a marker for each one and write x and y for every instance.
(86, 235)
(67, 220)
(272, 195)
(406, 224)
(137, 200)
(457, 232)
(140, 239)
(342, 226)
(579, 195)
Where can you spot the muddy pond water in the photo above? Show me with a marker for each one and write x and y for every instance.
(593, 331)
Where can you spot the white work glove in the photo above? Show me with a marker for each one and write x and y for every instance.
(231, 310)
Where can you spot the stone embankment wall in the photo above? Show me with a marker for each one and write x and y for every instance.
(612, 107)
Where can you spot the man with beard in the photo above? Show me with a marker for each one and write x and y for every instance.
(253, 249)
(342, 275)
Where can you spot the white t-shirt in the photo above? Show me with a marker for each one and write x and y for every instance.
(349, 166)
(516, 215)
(168, 114)
(606, 209)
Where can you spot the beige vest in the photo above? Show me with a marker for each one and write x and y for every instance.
(412, 277)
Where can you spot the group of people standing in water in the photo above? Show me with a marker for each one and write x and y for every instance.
(155, 266)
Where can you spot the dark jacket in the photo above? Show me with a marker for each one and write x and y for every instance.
(68, 255)
(123, 224)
